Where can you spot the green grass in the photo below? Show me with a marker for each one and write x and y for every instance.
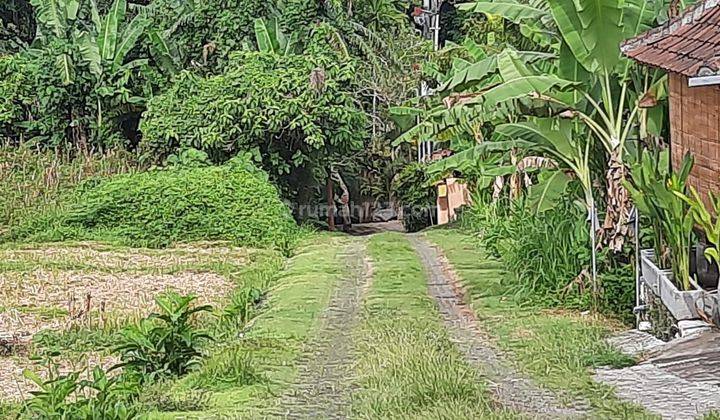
(249, 373)
(557, 348)
(407, 366)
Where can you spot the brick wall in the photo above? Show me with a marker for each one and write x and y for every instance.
(695, 127)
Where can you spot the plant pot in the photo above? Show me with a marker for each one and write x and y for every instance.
(650, 271)
(706, 271)
(681, 304)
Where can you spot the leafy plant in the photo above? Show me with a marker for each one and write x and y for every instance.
(658, 192)
(271, 39)
(161, 207)
(416, 196)
(86, 70)
(295, 113)
(707, 220)
(70, 396)
(166, 343)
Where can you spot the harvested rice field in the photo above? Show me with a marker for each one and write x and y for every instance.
(72, 299)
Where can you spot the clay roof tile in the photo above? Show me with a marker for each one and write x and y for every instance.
(685, 44)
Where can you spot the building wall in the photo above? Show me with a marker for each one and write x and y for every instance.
(695, 127)
(452, 194)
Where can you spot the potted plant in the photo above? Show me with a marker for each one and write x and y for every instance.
(659, 193)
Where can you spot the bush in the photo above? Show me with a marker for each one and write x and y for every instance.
(548, 251)
(416, 196)
(296, 113)
(550, 255)
(179, 204)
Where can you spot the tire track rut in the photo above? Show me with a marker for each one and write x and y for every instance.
(323, 388)
(511, 389)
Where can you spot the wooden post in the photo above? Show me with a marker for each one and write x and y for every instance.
(330, 204)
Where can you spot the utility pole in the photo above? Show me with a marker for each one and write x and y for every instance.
(429, 17)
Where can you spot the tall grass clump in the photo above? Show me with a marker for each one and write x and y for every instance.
(32, 179)
(547, 251)
(549, 255)
(234, 202)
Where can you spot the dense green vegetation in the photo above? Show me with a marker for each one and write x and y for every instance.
(557, 348)
(301, 85)
(31, 180)
(265, 103)
(548, 121)
(233, 202)
(143, 142)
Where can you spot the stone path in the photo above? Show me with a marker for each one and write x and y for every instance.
(323, 388)
(676, 380)
(510, 388)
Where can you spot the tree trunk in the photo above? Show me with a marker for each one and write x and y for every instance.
(330, 204)
(615, 229)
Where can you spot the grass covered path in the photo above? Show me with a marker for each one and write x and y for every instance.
(408, 367)
(386, 327)
(558, 349)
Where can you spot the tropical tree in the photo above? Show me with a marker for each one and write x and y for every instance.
(606, 92)
(271, 39)
(98, 66)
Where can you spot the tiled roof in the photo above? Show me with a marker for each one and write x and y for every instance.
(688, 44)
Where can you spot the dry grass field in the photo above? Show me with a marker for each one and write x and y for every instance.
(72, 298)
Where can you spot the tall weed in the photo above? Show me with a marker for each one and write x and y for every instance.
(550, 255)
(548, 251)
(32, 180)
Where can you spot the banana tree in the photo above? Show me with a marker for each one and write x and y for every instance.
(57, 19)
(105, 49)
(271, 39)
(609, 96)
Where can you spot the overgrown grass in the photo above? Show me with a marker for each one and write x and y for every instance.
(158, 208)
(408, 367)
(31, 180)
(550, 253)
(557, 348)
(248, 372)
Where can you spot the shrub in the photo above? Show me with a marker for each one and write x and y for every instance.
(547, 251)
(161, 207)
(296, 113)
(416, 197)
(166, 343)
(618, 292)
